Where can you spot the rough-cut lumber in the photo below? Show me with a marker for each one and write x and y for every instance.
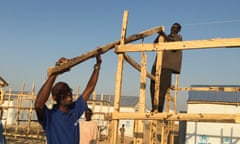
(213, 88)
(113, 129)
(139, 124)
(3, 83)
(197, 117)
(102, 49)
(181, 45)
(136, 65)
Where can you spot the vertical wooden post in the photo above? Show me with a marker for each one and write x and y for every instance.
(118, 86)
(171, 131)
(164, 135)
(154, 123)
(176, 92)
(94, 100)
(30, 114)
(158, 73)
(101, 104)
(168, 101)
(109, 104)
(77, 93)
(8, 104)
(19, 103)
(171, 123)
(138, 135)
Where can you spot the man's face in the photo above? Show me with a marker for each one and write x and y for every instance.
(67, 100)
(174, 29)
(88, 115)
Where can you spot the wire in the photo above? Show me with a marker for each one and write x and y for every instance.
(213, 22)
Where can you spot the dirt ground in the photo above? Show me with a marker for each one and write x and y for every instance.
(12, 140)
(22, 140)
(19, 140)
(127, 140)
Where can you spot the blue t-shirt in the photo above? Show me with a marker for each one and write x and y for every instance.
(61, 127)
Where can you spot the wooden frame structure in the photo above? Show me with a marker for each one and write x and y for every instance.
(166, 118)
(121, 48)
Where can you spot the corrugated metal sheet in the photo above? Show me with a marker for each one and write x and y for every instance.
(212, 96)
(127, 101)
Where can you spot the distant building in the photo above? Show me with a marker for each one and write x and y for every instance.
(218, 103)
(127, 104)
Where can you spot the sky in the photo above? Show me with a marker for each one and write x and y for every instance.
(35, 34)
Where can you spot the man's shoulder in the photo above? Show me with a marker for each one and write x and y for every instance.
(176, 37)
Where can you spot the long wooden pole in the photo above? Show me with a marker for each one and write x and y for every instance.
(118, 87)
(139, 127)
(102, 49)
(194, 117)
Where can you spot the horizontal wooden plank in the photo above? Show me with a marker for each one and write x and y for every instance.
(216, 89)
(183, 45)
(199, 117)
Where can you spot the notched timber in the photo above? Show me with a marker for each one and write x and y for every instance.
(183, 45)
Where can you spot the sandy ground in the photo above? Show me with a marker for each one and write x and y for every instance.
(127, 140)
(21, 140)
(26, 140)
(12, 140)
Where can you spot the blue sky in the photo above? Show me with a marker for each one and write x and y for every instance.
(34, 34)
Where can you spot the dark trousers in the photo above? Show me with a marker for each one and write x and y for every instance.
(2, 137)
(165, 83)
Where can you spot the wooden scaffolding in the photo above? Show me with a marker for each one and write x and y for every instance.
(166, 118)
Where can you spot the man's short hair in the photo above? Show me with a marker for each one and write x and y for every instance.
(89, 111)
(179, 25)
(61, 89)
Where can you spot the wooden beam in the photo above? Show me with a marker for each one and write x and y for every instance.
(197, 117)
(155, 128)
(216, 89)
(139, 124)
(118, 85)
(3, 83)
(102, 49)
(181, 45)
(137, 66)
